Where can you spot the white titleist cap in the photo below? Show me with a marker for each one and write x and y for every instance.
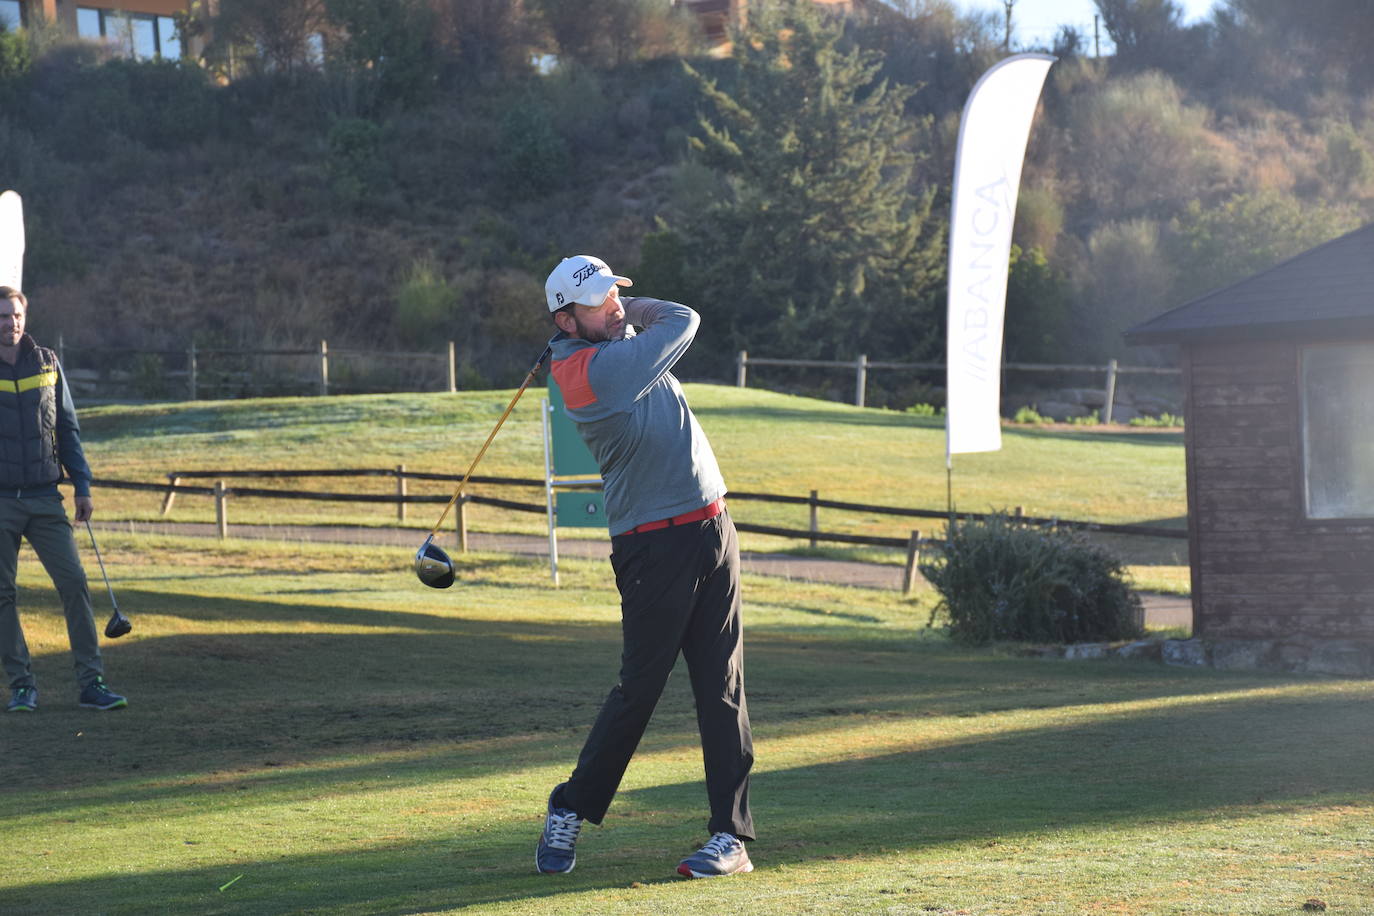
(582, 279)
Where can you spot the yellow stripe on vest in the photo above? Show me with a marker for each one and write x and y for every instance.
(41, 380)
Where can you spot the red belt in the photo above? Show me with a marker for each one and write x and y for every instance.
(696, 515)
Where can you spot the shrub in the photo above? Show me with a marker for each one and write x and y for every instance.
(1163, 420)
(175, 104)
(425, 300)
(925, 410)
(534, 159)
(148, 376)
(356, 165)
(1029, 415)
(15, 58)
(1000, 579)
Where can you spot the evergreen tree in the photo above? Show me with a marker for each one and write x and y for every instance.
(1144, 30)
(815, 246)
(391, 47)
(1328, 40)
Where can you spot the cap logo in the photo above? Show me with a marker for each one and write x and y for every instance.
(584, 272)
(559, 296)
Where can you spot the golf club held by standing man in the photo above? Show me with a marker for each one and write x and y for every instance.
(673, 550)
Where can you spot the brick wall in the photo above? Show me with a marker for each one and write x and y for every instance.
(1261, 570)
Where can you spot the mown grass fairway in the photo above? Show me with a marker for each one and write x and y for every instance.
(766, 442)
(314, 732)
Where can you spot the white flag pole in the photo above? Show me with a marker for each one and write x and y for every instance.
(11, 240)
(987, 175)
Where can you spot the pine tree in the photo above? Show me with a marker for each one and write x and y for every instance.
(816, 245)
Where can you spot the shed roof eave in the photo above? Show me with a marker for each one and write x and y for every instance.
(1352, 329)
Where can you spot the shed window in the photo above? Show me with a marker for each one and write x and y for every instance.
(1338, 430)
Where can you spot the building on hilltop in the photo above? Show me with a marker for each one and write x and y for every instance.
(1279, 439)
(718, 17)
(144, 29)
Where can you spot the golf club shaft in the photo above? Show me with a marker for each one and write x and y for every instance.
(457, 493)
(103, 574)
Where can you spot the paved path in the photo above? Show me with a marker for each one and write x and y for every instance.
(1160, 610)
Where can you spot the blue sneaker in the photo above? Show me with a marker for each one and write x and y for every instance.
(722, 855)
(555, 854)
(96, 695)
(23, 699)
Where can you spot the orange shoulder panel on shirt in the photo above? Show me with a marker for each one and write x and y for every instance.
(571, 376)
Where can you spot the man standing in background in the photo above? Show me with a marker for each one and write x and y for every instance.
(39, 436)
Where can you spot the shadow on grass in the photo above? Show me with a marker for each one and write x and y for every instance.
(1193, 762)
(470, 691)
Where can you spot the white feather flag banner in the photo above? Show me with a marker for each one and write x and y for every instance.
(987, 175)
(11, 240)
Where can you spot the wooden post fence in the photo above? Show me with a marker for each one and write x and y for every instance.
(324, 367)
(1109, 398)
(815, 517)
(460, 520)
(913, 562)
(190, 374)
(812, 533)
(452, 367)
(172, 481)
(221, 510)
(862, 364)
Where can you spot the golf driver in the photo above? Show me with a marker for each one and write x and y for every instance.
(432, 564)
(118, 624)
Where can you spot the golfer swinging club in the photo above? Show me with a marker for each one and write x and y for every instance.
(674, 551)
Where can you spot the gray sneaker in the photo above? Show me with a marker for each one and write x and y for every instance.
(722, 855)
(23, 699)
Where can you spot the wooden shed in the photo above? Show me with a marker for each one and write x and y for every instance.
(1279, 412)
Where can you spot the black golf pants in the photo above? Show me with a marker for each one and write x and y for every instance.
(679, 591)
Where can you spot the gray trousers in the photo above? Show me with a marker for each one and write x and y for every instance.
(44, 522)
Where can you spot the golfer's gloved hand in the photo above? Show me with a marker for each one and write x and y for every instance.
(84, 508)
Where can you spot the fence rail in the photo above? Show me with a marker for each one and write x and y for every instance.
(240, 371)
(310, 371)
(913, 543)
(862, 364)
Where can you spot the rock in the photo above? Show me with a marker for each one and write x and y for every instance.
(1341, 658)
(1244, 654)
(1041, 651)
(1154, 406)
(1087, 397)
(1294, 656)
(1061, 410)
(1122, 413)
(1149, 649)
(1087, 650)
(1184, 652)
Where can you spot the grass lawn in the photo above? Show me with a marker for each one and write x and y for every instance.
(310, 731)
(766, 442)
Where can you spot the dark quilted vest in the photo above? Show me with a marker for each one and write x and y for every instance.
(28, 419)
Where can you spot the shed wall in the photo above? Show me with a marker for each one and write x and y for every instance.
(1261, 570)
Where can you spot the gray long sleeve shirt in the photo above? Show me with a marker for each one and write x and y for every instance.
(654, 458)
